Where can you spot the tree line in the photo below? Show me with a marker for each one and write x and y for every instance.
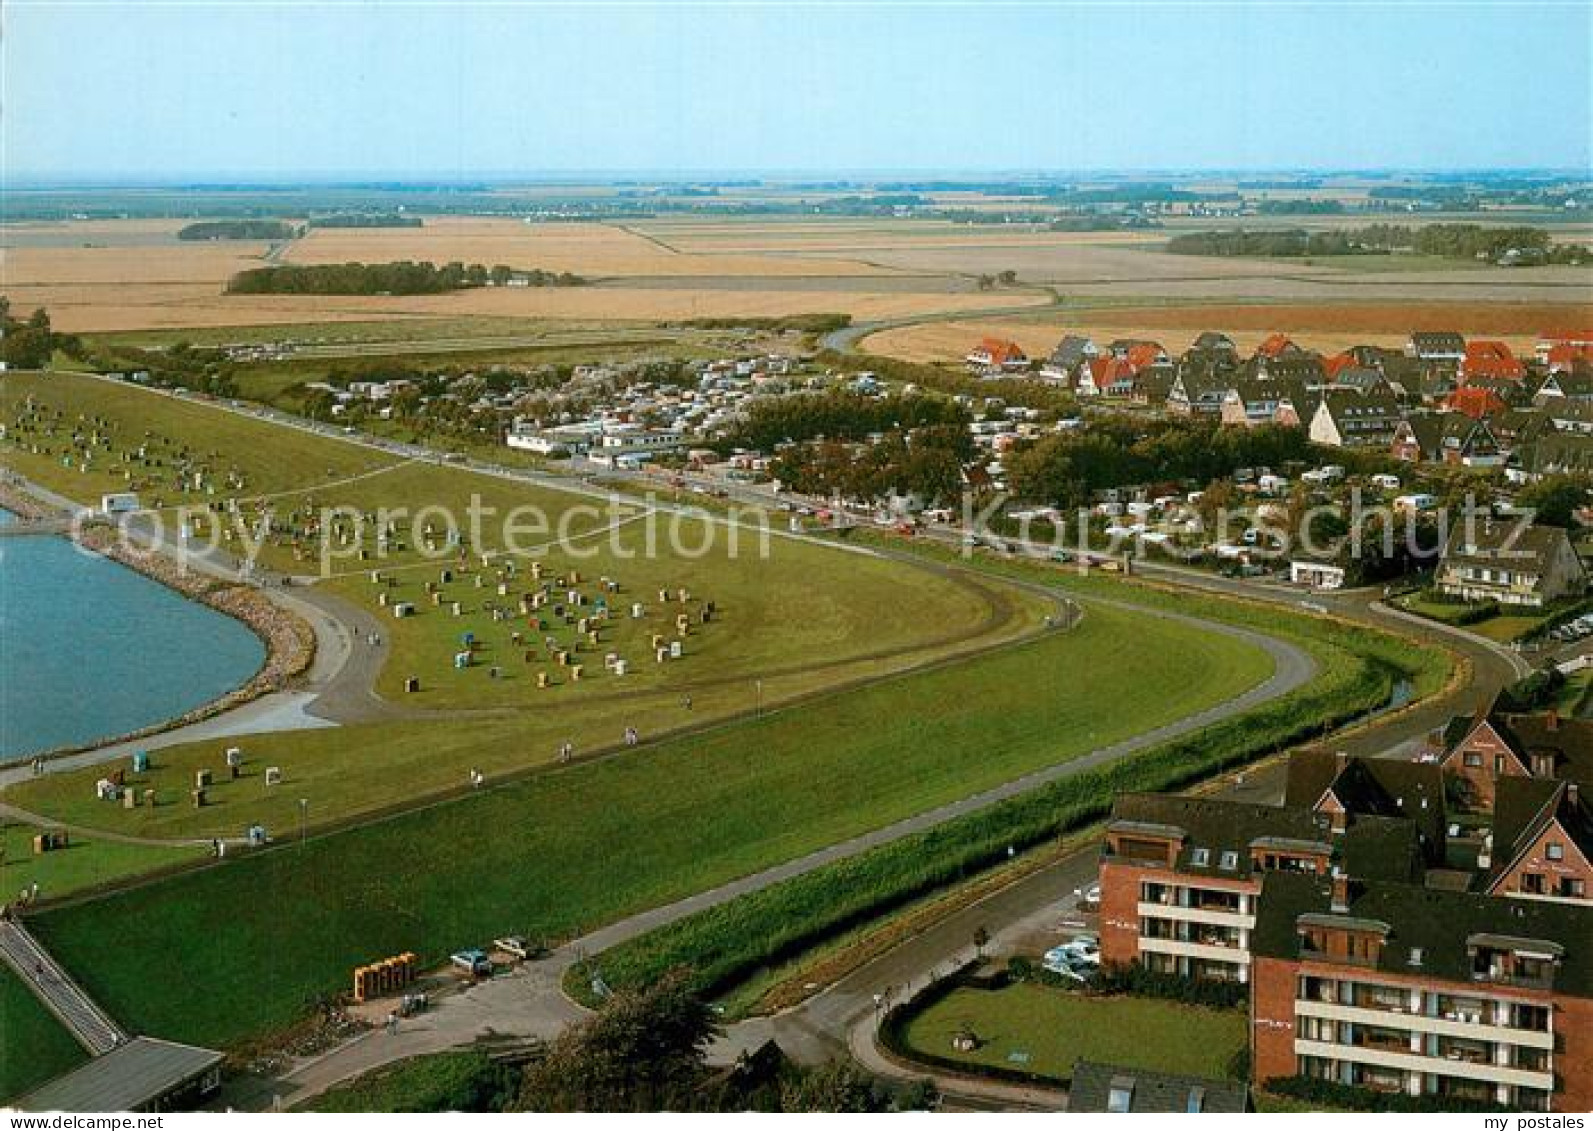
(402, 278)
(772, 421)
(1447, 241)
(238, 230)
(28, 343)
(1065, 469)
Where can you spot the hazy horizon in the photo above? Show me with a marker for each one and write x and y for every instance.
(283, 92)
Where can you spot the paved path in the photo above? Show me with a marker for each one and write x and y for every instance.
(86, 1021)
(530, 1002)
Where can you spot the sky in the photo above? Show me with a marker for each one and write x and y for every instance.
(270, 90)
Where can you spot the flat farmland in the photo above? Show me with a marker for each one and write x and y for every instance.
(590, 250)
(1327, 327)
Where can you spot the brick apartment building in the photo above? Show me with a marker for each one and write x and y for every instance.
(1382, 952)
(1400, 988)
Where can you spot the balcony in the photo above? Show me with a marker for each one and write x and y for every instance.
(1420, 1023)
(1231, 955)
(1210, 916)
(1431, 1065)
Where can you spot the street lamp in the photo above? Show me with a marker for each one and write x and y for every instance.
(304, 813)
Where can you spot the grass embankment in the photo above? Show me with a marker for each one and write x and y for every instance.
(1042, 1030)
(34, 1047)
(247, 945)
(801, 619)
(449, 1081)
(728, 944)
(85, 862)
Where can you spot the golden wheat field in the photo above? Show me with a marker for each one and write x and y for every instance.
(1327, 328)
(596, 251)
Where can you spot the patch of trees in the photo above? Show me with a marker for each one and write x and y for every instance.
(1065, 469)
(772, 421)
(28, 343)
(817, 323)
(365, 220)
(238, 230)
(925, 463)
(1447, 241)
(1300, 207)
(402, 278)
(646, 1051)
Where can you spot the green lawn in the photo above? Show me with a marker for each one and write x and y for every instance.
(83, 863)
(34, 1048)
(246, 946)
(801, 618)
(1043, 1029)
(448, 1081)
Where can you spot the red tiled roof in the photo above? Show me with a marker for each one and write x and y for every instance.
(1274, 345)
(1566, 354)
(1491, 359)
(1144, 354)
(1336, 364)
(1001, 351)
(1474, 402)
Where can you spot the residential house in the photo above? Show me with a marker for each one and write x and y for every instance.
(1541, 844)
(1447, 437)
(1210, 341)
(1439, 346)
(1550, 453)
(1572, 383)
(1488, 358)
(1069, 356)
(1343, 787)
(1547, 342)
(994, 356)
(1475, 402)
(1196, 393)
(1275, 346)
(1563, 357)
(1345, 419)
(1250, 403)
(1479, 751)
(1531, 566)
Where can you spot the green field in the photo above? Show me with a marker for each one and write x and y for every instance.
(801, 618)
(34, 1048)
(449, 1081)
(564, 851)
(84, 863)
(1048, 1028)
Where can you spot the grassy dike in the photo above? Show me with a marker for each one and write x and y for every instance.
(728, 944)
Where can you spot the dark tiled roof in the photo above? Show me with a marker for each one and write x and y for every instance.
(1504, 543)
(1153, 1092)
(1375, 787)
(1523, 808)
(1437, 923)
(1220, 826)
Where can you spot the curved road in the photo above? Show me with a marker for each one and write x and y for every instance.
(531, 1002)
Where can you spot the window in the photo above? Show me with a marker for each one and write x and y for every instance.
(1200, 857)
(1473, 759)
(1415, 956)
(1229, 861)
(1532, 883)
(1554, 850)
(1121, 1098)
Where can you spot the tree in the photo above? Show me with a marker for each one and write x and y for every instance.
(1555, 499)
(643, 1051)
(838, 1086)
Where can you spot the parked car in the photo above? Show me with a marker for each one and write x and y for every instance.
(1061, 960)
(473, 962)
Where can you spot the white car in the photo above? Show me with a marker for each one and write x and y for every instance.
(1084, 950)
(1061, 960)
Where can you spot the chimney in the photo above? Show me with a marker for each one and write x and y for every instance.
(1341, 891)
(1340, 760)
(1552, 720)
(1573, 792)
